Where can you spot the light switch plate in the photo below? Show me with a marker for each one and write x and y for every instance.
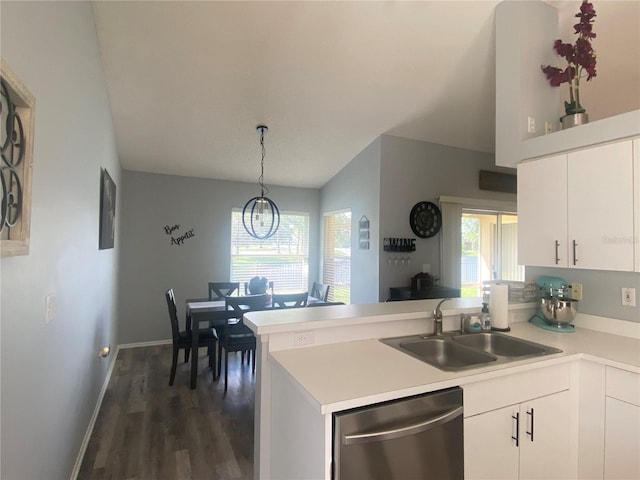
(576, 291)
(629, 297)
(49, 307)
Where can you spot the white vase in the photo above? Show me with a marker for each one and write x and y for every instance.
(573, 120)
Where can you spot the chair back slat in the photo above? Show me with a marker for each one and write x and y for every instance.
(320, 291)
(237, 307)
(245, 303)
(173, 314)
(220, 290)
(289, 300)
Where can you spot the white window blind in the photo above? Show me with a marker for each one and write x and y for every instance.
(283, 258)
(336, 264)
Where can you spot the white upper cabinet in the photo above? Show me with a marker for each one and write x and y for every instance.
(601, 207)
(576, 210)
(542, 212)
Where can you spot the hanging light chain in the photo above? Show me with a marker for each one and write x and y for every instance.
(263, 190)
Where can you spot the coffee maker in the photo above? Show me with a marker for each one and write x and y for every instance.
(556, 308)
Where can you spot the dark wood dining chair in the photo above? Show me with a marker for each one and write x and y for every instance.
(182, 339)
(319, 292)
(219, 290)
(234, 335)
(289, 300)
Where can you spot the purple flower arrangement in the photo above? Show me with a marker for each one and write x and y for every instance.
(581, 59)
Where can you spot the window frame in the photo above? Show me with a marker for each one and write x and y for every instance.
(235, 275)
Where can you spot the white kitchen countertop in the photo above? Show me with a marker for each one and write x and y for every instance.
(287, 320)
(344, 375)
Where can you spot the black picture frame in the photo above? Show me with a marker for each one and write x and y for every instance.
(107, 211)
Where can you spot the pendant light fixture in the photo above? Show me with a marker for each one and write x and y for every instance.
(260, 215)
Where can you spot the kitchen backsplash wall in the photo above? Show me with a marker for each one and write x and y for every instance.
(601, 290)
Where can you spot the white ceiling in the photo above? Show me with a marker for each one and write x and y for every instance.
(188, 82)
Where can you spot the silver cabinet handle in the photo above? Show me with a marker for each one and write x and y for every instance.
(402, 432)
(557, 257)
(575, 256)
(516, 417)
(530, 413)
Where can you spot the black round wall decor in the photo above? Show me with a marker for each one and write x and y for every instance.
(425, 219)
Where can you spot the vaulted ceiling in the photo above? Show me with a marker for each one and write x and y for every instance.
(189, 82)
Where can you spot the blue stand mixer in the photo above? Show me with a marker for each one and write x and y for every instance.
(557, 309)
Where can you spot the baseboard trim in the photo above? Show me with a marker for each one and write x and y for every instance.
(146, 344)
(94, 417)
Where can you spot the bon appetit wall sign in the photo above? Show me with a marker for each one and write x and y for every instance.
(178, 238)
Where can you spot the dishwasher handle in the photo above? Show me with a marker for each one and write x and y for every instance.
(404, 431)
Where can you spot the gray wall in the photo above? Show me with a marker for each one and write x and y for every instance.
(51, 376)
(413, 171)
(357, 186)
(601, 290)
(149, 264)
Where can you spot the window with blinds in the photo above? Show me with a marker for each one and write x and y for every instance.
(336, 264)
(283, 258)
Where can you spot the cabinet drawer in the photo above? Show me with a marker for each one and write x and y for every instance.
(500, 392)
(623, 385)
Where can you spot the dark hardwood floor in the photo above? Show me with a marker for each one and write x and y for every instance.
(148, 430)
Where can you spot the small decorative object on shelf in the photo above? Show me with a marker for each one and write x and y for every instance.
(399, 244)
(363, 225)
(581, 62)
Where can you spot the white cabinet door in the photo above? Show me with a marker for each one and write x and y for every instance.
(622, 440)
(600, 207)
(489, 450)
(542, 450)
(542, 212)
(545, 438)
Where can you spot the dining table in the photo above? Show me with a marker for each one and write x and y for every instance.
(215, 314)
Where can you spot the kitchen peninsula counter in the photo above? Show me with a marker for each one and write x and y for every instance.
(350, 374)
(331, 359)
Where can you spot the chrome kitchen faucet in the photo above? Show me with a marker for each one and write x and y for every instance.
(437, 318)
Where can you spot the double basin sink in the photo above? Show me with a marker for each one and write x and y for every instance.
(460, 352)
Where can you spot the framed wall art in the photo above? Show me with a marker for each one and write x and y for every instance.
(17, 120)
(107, 210)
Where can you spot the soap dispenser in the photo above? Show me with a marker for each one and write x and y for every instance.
(486, 318)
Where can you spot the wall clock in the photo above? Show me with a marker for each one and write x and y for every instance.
(425, 219)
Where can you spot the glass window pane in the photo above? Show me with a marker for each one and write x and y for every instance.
(283, 258)
(336, 264)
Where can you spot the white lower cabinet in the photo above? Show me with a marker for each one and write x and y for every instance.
(520, 426)
(529, 440)
(622, 425)
(621, 440)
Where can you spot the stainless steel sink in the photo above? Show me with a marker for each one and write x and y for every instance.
(460, 352)
(503, 345)
(444, 354)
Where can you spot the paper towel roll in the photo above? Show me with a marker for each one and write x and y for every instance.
(499, 306)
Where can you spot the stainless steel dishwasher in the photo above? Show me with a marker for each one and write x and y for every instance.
(418, 437)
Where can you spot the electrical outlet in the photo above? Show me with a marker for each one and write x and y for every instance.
(548, 127)
(531, 125)
(303, 338)
(629, 297)
(576, 291)
(49, 307)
